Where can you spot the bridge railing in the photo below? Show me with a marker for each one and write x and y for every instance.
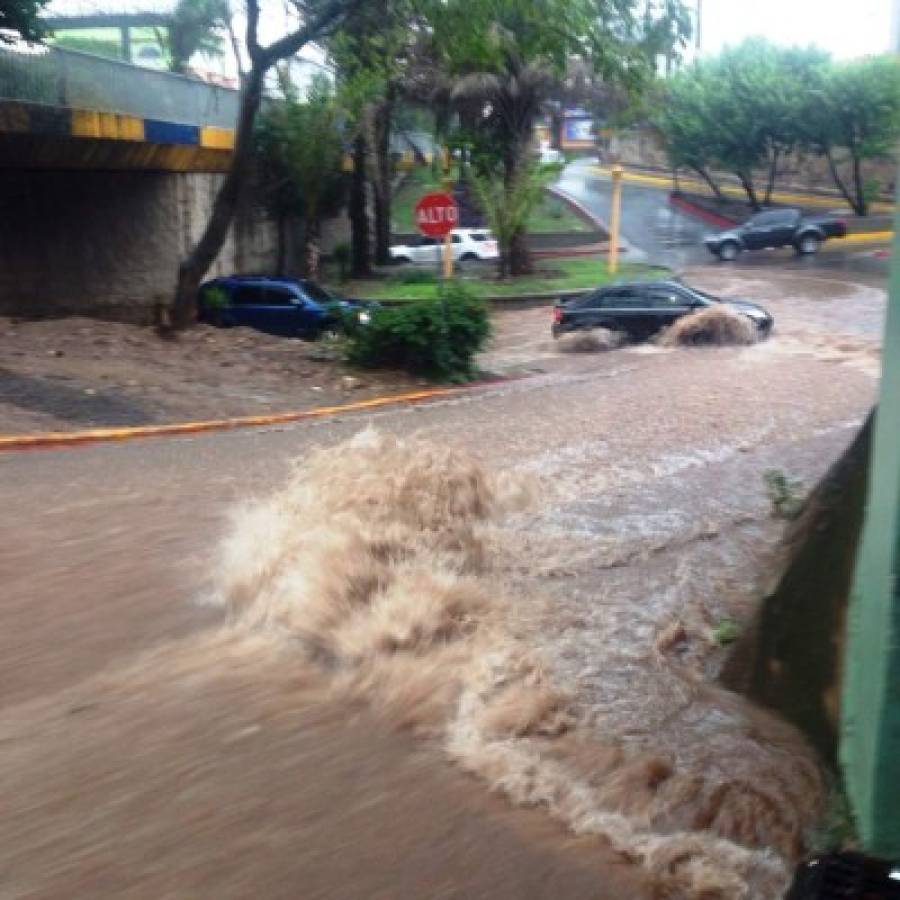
(74, 80)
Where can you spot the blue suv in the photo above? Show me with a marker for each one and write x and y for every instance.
(293, 307)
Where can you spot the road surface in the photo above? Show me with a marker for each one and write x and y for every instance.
(143, 755)
(653, 230)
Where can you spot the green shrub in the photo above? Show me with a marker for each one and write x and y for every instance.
(436, 338)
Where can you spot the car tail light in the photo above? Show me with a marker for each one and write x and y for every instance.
(557, 314)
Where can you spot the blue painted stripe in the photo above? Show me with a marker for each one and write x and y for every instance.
(156, 132)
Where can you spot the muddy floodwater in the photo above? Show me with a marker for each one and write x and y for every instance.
(524, 583)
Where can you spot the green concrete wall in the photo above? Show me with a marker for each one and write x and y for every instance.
(870, 721)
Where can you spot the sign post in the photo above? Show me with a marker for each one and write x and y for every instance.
(614, 216)
(436, 216)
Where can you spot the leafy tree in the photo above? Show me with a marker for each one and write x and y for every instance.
(508, 54)
(300, 145)
(374, 53)
(318, 19)
(683, 122)
(739, 111)
(20, 17)
(856, 110)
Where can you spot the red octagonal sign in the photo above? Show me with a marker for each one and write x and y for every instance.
(436, 214)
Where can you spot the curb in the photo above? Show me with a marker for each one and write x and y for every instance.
(599, 224)
(699, 212)
(862, 237)
(64, 439)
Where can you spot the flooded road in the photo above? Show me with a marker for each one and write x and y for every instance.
(575, 672)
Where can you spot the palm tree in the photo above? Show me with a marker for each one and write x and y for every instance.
(512, 100)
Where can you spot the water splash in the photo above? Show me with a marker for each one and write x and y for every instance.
(386, 562)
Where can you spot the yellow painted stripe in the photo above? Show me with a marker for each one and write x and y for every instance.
(217, 138)
(735, 191)
(85, 123)
(112, 126)
(51, 439)
(131, 128)
(109, 126)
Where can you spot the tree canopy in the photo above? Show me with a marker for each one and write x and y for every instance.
(745, 109)
(20, 17)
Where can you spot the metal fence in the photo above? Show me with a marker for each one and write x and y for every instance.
(73, 80)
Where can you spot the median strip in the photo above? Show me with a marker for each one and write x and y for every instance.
(60, 439)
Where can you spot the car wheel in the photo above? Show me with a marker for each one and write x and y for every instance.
(402, 260)
(468, 257)
(809, 245)
(729, 251)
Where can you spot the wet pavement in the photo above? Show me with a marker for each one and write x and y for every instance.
(654, 231)
(651, 519)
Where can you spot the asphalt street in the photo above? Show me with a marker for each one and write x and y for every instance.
(140, 759)
(654, 231)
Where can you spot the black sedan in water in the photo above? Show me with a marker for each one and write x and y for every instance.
(642, 308)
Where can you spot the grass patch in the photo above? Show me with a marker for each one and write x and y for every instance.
(580, 273)
(550, 215)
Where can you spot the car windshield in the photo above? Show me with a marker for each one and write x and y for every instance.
(317, 292)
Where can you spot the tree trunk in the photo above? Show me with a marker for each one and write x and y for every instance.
(713, 186)
(839, 183)
(281, 261)
(747, 184)
(359, 215)
(862, 203)
(311, 247)
(556, 128)
(196, 264)
(773, 173)
(519, 256)
(382, 180)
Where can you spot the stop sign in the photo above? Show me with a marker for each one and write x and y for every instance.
(436, 214)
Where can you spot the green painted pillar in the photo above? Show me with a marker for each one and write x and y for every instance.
(870, 716)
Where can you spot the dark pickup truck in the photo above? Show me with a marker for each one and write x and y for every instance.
(776, 228)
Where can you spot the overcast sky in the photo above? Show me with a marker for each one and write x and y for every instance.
(845, 29)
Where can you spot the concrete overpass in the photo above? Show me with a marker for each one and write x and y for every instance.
(62, 108)
(107, 174)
